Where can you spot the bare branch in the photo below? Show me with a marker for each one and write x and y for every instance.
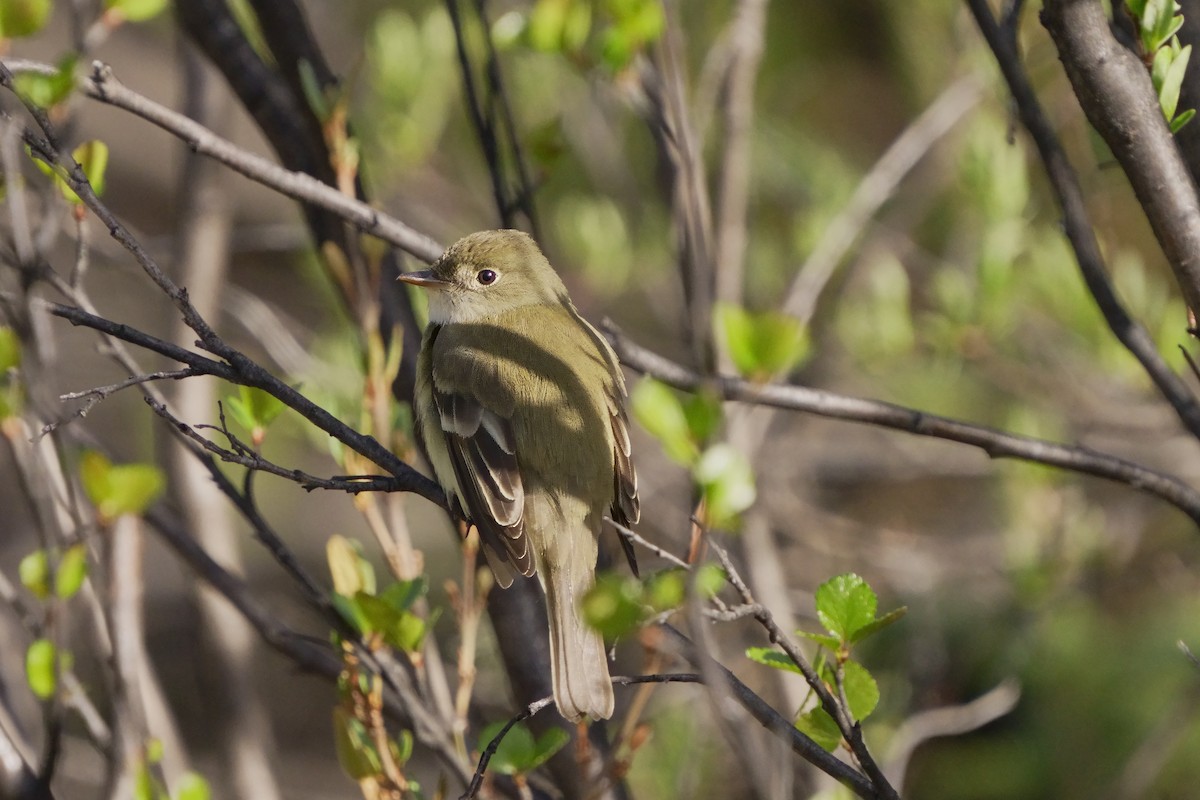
(102, 85)
(996, 443)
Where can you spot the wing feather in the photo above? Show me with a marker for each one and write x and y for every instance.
(483, 455)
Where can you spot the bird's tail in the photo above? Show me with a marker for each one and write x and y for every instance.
(578, 661)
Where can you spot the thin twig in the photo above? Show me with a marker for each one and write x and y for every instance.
(837, 708)
(99, 393)
(876, 187)
(996, 443)
(102, 85)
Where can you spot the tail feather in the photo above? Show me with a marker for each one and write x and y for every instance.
(565, 551)
(578, 661)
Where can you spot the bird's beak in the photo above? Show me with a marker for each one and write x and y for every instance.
(424, 278)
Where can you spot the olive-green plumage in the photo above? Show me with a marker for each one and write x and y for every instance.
(520, 404)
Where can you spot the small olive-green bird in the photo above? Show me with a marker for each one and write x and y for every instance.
(520, 403)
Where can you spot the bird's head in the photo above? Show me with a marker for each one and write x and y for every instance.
(485, 274)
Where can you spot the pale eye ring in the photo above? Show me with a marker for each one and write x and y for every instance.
(486, 277)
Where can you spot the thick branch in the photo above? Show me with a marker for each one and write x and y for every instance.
(1079, 227)
(1114, 89)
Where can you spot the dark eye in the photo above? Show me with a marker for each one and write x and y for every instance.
(486, 277)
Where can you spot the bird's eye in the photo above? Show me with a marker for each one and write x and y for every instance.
(486, 277)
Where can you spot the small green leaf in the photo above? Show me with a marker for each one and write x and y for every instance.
(119, 489)
(727, 482)
(72, 569)
(658, 409)
(314, 92)
(355, 750)
(1183, 119)
(10, 350)
(613, 606)
(825, 640)
(23, 17)
(349, 610)
(1172, 80)
(709, 580)
(143, 783)
(704, 414)
(820, 727)
(845, 604)
(40, 668)
(34, 572)
(46, 91)
(878, 624)
(136, 10)
(665, 590)
(546, 22)
(862, 692)
(400, 595)
(549, 743)
(772, 658)
(192, 786)
(254, 410)
(351, 571)
(515, 751)
(154, 750)
(761, 345)
(93, 158)
(1136, 8)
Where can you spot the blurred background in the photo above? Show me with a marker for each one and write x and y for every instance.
(955, 293)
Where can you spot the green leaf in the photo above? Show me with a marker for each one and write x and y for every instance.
(704, 413)
(400, 595)
(1136, 8)
(355, 750)
(93, 158)
(46, 91)
(613, 606)
(254, 409)
(119, 489)
(825, 640)
(658, 409)
(518, 752)
(772, 658)
(727, 482)
(314, 92)
(845, 604)
(350, 610)
(549, 743)
(192, 786)
(761, 345)
(862, 692)
(547, 20)
(40, 668)
(1183, 119)
(350, 570)
(515, 751)
(1168, 95)
(821, 728)
(143, 783)
(136, 10)
(72, 569)
(666, 590)
(23, 17)
(34, 572)
(709, 580)
(10, 350)
(878, 624)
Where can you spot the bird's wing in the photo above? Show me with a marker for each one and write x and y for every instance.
(482, 451)
(626, 507)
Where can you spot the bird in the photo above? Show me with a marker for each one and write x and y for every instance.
(520, 404)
